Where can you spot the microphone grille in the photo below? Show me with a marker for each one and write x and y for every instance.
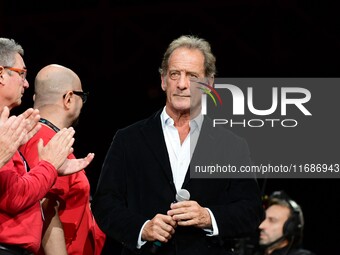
(182, 195)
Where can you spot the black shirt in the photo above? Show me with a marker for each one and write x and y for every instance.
(283, 251)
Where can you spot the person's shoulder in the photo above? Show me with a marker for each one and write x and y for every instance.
(221, 131)
(45, 132)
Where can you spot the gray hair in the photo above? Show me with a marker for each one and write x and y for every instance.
(191, 42)
(8, 49)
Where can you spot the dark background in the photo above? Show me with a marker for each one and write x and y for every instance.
(116, 48)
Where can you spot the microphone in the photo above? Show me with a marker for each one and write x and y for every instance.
(266, 246)
(182, 195)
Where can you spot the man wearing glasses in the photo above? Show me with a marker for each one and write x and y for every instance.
(21, 186)
(69, 226)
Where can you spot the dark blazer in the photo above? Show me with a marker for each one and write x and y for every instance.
(136, 183)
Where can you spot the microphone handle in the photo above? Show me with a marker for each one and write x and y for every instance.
(155, 247)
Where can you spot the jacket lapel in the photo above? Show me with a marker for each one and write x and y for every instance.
(154, 139)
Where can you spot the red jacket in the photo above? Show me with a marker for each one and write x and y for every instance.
(20, 194)
(82, 235)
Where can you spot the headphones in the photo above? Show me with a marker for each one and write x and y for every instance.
(293, 227)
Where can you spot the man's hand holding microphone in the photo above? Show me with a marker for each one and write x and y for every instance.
(161, 227)
(183, 212)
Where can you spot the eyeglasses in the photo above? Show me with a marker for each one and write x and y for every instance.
(21, 72)
(82, 94)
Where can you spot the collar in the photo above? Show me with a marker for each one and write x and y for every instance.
(194, 123)
(49, 124)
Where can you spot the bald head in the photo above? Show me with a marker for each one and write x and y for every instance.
(52, 82)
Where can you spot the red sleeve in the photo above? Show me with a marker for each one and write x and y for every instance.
(20, 189)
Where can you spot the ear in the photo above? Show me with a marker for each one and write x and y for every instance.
(211, 80)
(67, 99)
(163, 83)
(2, 69)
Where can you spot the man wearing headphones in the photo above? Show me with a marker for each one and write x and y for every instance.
(282, 229)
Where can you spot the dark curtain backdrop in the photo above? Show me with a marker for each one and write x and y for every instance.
(116, 48)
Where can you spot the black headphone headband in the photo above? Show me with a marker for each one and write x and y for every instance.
(293, 227)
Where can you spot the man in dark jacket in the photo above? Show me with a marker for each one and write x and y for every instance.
(148, 163)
